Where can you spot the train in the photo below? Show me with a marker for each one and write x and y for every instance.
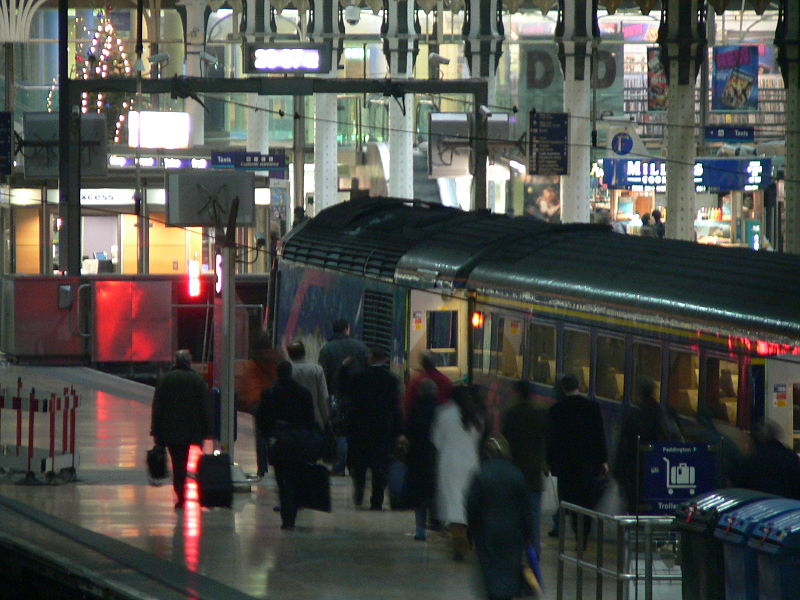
(496, 298)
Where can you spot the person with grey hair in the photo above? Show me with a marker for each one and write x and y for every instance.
(499, 520)
(181, 416)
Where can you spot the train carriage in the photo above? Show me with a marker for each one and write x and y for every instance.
(496, 298)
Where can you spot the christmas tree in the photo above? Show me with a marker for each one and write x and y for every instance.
(104, 56)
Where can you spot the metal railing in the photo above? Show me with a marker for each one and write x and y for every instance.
(616, 560)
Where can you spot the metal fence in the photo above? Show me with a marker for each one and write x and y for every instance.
(629, 558)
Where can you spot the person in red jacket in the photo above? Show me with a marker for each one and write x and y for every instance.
(428, 370)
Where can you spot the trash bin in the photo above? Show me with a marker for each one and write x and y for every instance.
(734, 529)
(777, 545)
(701, 557)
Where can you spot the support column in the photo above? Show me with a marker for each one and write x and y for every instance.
(683, 43)
(326, 25)
(195, 33)
(787, 39)
(577, 34)
(400, 45)
(483, 44)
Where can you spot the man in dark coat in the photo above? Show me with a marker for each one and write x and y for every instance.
(181, 416)
(525, 428)
(420, 482)
(576, 447)
(499, 519)
(644, 424)
(286, 417)
(374, 426)
(339, 355)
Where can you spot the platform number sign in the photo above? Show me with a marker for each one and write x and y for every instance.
(674, 473)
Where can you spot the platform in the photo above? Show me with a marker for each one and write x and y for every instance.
(348, 554)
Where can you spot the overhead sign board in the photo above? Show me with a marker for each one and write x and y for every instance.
(6, 143)
(723, 174)
(729, 133)
(297, 57)
(547, 143)
(275, 163)
(674, 473)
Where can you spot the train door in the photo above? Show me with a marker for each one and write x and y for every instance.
(781, 394)
(437, 323)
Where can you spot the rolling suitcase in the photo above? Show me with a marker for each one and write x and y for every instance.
(214, 483)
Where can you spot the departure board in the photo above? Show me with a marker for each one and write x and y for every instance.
(547, 143)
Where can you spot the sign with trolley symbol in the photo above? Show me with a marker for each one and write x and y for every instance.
(674, 473)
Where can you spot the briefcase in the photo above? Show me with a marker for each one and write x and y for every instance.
(214, 482)
(313, 487)
(157, 464)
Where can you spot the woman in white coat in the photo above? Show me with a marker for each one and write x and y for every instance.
(456, 433)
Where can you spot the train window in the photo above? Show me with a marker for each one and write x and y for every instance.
(647, 363)
(443, 337)
(576, 356)
(722, 389)
(543, 353)
(487, 343)
(682, 382)
(610, 378)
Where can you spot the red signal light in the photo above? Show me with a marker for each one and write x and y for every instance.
(477, 320)
(194, 278)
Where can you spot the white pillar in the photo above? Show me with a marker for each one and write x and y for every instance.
(326, 151)
(399, 24)
(195, 33)
(682, 42)
(787, 39)
(257, 124)
(577, 32)
(575, 191)
(681, 153)
(401, 147)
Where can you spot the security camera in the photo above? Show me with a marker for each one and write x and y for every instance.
(162, 58)
(352, 14)
(485, 111)
(209, 58)
(437, 59)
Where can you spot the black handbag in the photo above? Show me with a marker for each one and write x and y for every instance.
(157, 464)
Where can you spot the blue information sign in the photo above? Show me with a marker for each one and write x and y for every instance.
(724, 174)
(547, 143)
(6, 143)
(674, 473)
(729, 133)
(253, 161)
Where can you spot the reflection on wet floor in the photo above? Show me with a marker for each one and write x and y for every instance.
(349, 553)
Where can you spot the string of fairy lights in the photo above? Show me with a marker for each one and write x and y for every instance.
(102, 56)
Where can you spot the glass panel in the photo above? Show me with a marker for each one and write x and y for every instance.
(511, 349)
(543, 353)
(610, 381)
(478, 349)
(496, 349)
(443, 337)
(682, 384)
(576, 357)
(487, 343)
(722, 389)
(646, 363)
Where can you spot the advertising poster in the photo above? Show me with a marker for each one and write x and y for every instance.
(656, 82)
(543, 198)
(735, 81)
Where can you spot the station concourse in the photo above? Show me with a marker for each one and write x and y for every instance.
(349, 553)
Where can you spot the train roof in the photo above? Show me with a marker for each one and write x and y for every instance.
(429, 246)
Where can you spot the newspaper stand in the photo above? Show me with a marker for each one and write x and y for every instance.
(31, 459)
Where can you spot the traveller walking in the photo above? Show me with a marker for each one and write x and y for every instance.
(525, 429)
(499, 517)
(286, 417)
(340, 351)
(375, 424)
(312, 377)
(646, 423)
(576, 448)
(181, 416)
(457, 431)
(421, 457)
(427, 370)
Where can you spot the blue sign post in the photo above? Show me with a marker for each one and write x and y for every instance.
(674, 473)
(251, 161)
(548, 136)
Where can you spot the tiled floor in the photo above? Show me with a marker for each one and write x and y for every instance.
(347, 554)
